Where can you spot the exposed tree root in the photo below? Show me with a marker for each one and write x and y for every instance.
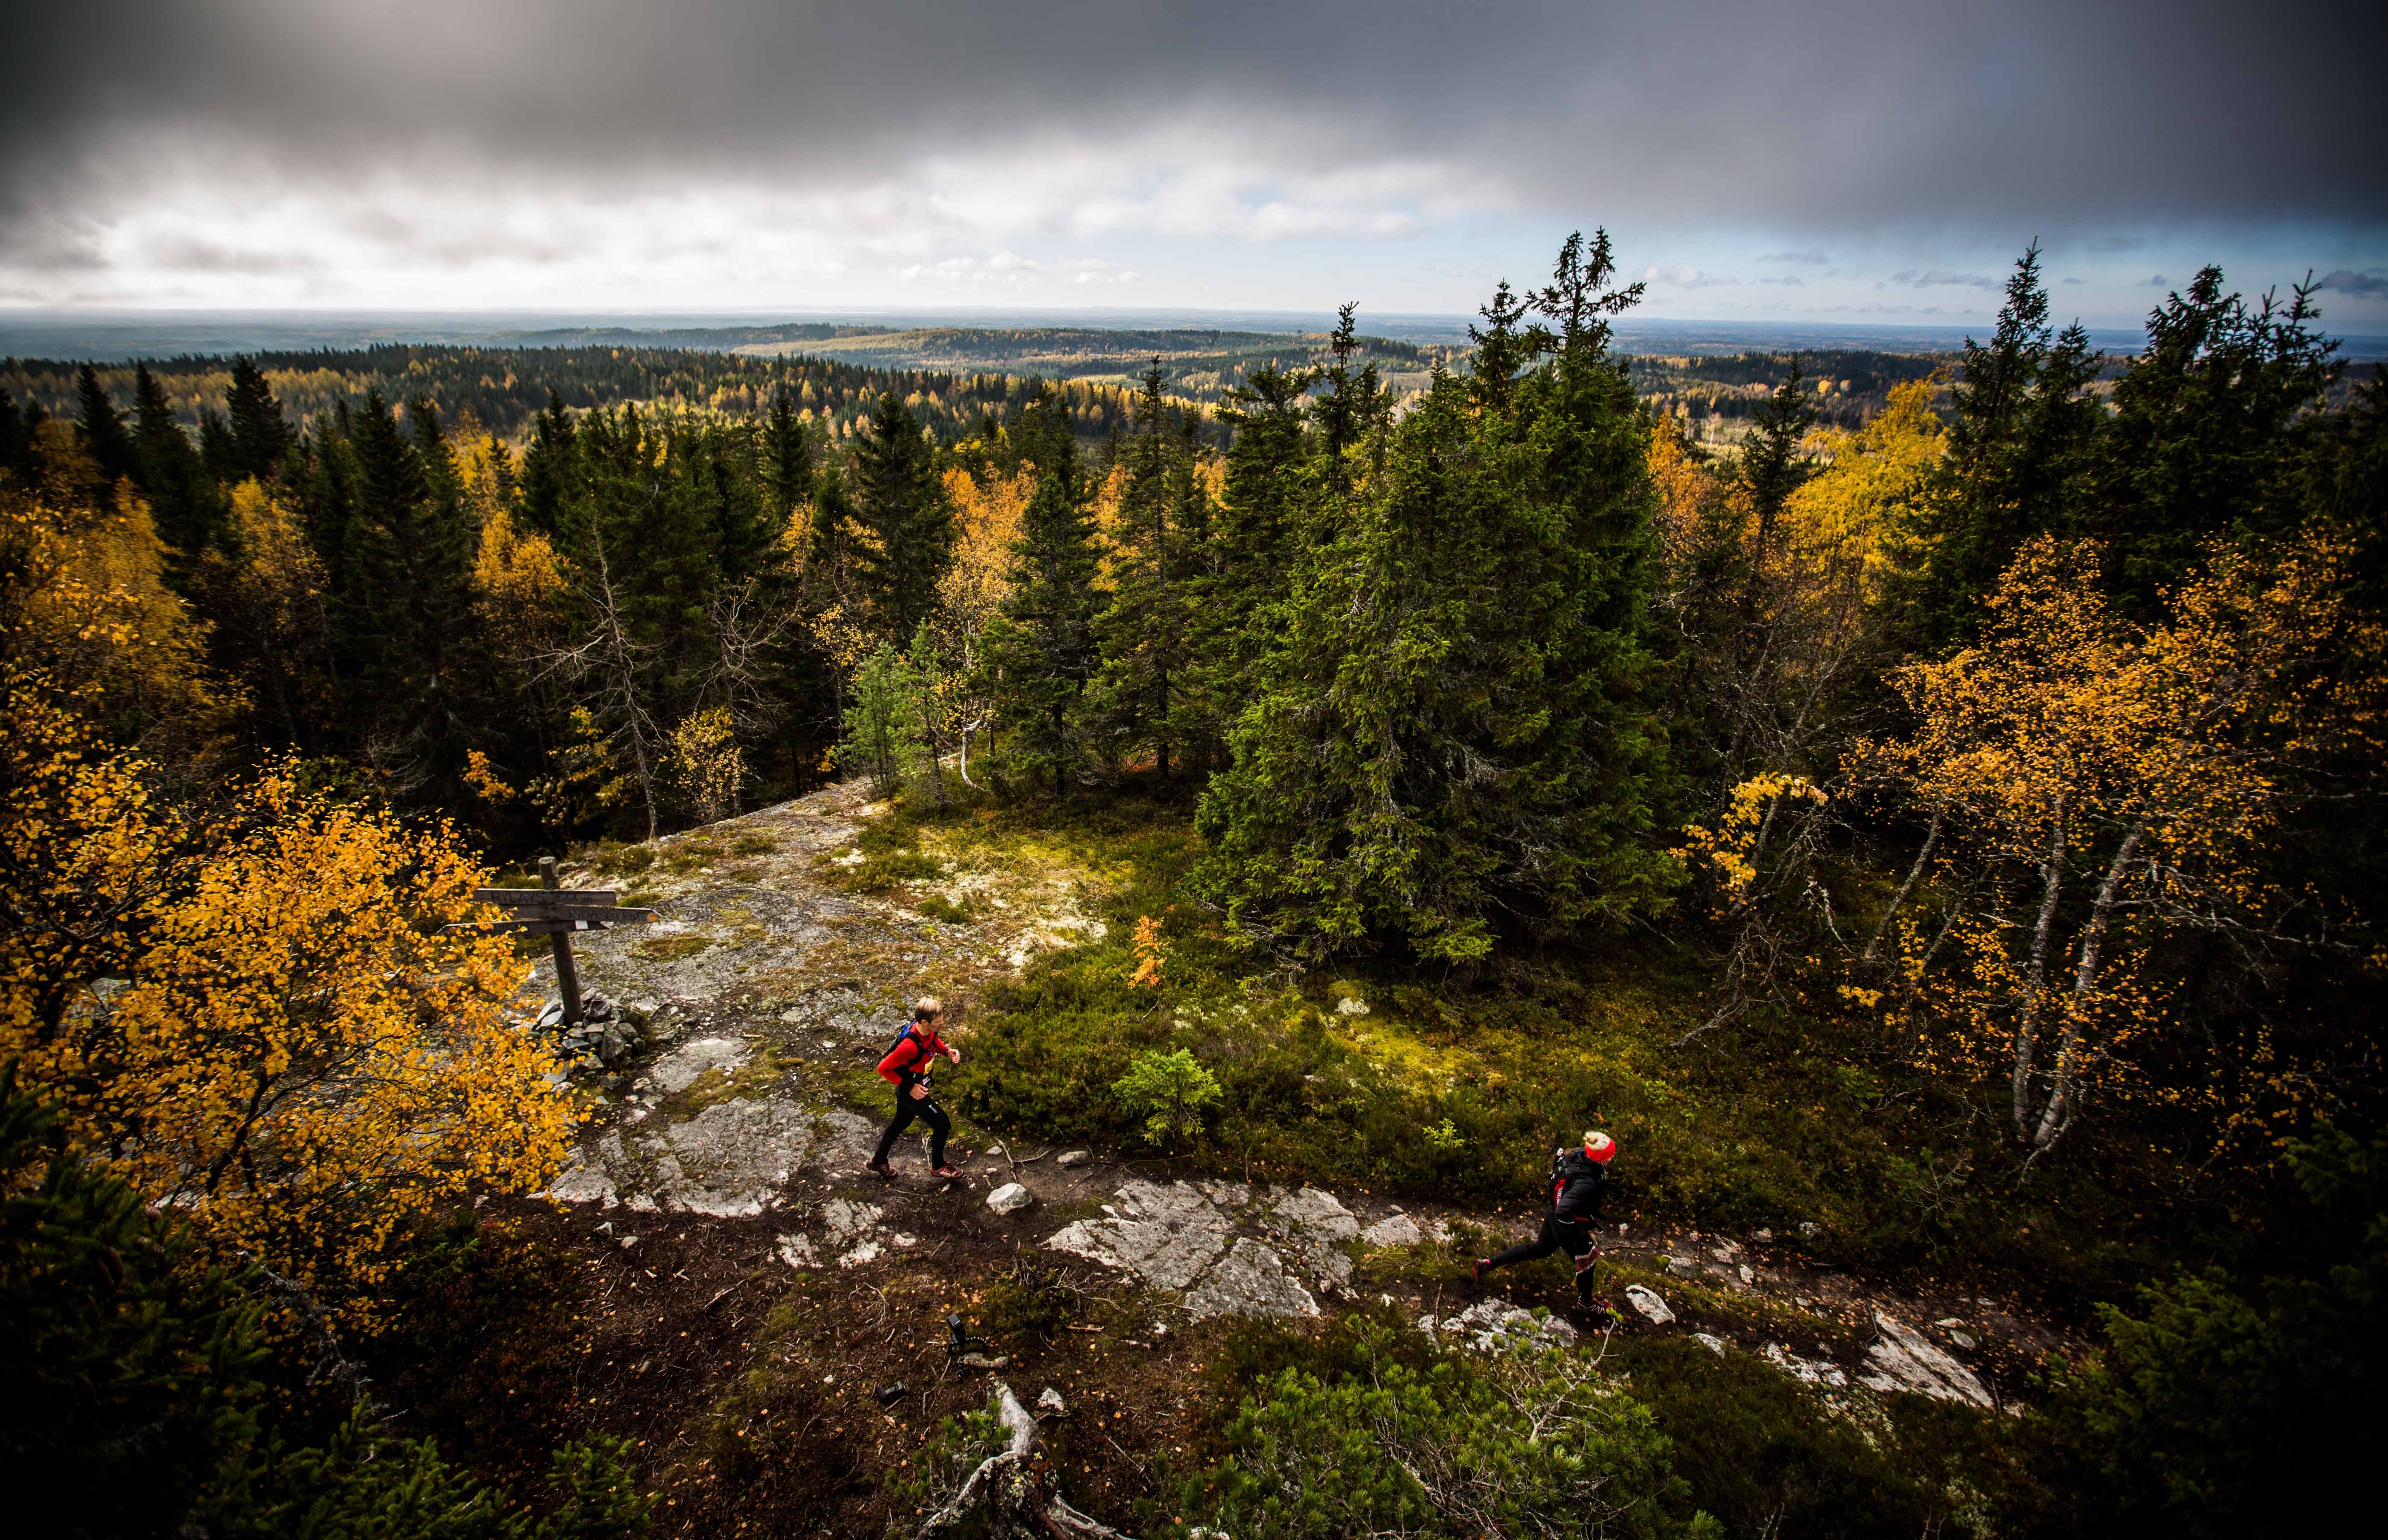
(1013, 1492)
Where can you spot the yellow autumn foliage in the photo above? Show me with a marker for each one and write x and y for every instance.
(521, 584)
(1842, 517)
(2092, 785)
(83, 598)
(987, 516)
(251, 1013)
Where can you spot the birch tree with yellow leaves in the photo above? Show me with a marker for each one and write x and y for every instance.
(244, 1005)
(252, 1016)
(1781, 638)
(2093, 789)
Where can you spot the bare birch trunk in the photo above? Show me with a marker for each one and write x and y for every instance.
(1906, 890)
(2058, 1116)
(2036, 986)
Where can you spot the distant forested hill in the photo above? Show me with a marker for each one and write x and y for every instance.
(951, 376)
(503, 389)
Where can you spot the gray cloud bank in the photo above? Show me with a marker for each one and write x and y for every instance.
(1787, 114)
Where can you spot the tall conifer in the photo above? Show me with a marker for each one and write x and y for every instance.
(183, 502)
(2019, 448)
(902, 505)
(1456, 738)
(1146, 631)
(1041, 652)
(261, 437)
(103, 433)
(2197, 447)
(787, 454)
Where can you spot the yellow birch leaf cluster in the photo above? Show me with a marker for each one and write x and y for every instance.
(2092, 786)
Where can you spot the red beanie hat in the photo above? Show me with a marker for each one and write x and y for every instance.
(1599, 1146)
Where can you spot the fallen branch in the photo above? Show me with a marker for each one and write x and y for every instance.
(1011, 1488)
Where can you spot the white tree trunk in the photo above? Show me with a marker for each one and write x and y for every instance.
(2036, 976)
(2058, 1116)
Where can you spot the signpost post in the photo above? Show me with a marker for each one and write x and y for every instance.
(553, 911)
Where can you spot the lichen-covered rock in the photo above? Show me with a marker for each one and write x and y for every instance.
(732, 1160)
(681, 1067)
(1397, 1229)
(1009, 1198)
(1167, 1236)
(729, 1160)
(1250, 1280)
(1646, 1301)
(1904, 1359)
(1810, 1371)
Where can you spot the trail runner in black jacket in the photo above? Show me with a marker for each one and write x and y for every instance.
(1578, 1178)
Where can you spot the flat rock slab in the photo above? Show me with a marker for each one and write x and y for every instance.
(1228, 1249)
(732, 1160)
(1168, 1236)
(681, 1068)
(1904, 1359)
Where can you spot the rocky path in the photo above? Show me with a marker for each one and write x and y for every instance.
(764, 993)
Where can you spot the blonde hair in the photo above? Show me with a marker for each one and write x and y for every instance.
(928, 1008)
(1594, 1139)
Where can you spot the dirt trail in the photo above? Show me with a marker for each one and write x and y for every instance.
(726, 1180)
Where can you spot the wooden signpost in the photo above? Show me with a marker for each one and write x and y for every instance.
(553, 911)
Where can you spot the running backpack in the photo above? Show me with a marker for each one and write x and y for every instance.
(899, 1041)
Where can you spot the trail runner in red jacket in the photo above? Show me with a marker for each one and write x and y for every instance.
(907, 1068)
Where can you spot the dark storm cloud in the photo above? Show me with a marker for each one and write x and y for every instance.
(1781, 113)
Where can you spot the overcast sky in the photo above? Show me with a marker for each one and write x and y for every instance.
(1845, 161)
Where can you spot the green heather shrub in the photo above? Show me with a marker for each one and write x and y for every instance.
(1393, 1442)
(2225, 1409)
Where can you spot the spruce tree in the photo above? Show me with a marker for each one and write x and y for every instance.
(787, 456)
(2198, 447)
(1456, 740)
(1041, 652)
(1773, 467)
(551, 469)
(183, 502)
(405, 609)
(261, 437)
(1264, 513)
(902, 507)
(103, 433)
(19, 428)
(1146, 631)
(2024, 430)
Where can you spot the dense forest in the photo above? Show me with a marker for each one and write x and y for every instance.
(1999, 737)
(952, 378)
(503, 391)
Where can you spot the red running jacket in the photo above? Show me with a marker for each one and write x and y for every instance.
(915, 1047)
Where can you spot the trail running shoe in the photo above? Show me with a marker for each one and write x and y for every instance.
(1482, 1263)
(880, 1169)
(946, 1173)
